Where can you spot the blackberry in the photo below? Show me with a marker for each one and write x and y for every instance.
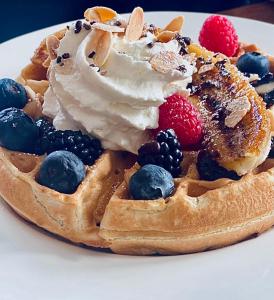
(165, 151)
(269, 99)
(271, 153)
(45, 126)
(88, 149)
(210, 170)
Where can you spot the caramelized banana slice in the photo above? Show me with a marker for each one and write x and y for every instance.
(237, 126)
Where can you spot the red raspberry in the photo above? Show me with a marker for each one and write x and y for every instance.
(219, 35)
(180, 115)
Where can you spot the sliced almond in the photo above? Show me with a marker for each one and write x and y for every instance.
(38, 86)
(238, 108)
(106, 27)
(52, 43)
(100, 14)
(135, 26)
(165, 36)
(165, 61)
(205, 68)
(175, 25)
(100, 43)
(46, 63)
(91, 15)
(105, 13)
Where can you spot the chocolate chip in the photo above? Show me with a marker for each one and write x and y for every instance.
(117, 23)
(150, 45)
(65, 55)
(86, 26)
(58, 59)
(78, 26)
(91, 55)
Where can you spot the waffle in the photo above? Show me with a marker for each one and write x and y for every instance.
(200, 215)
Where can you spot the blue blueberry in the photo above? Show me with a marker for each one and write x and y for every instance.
(151, 182)
(18, 131)
(253, 62)
(12, 94)
(61, 171)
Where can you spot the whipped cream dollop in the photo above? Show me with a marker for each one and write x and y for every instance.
(118, 102)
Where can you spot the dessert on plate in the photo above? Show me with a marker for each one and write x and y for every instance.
(123, 135)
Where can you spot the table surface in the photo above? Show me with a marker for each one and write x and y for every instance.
(260, 11)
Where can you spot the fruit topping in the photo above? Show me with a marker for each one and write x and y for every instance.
(87, 148)
(271, 153)
(219, 35)
(165, 151)
(61, 171)
(180, 115)
(210, 170)
(265, 88)
(151, 182)
(18, 131)
(12, 94)
(269, 98)
(254, 63)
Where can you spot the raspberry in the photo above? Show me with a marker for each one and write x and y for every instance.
(165, 152)
(219, 35)
(180, 115)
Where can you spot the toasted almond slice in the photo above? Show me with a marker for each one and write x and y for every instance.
(103, 49)
(91, 15)
(135, 25)
(106, 27)
(205, 68)
(100, 43)
(38, 86)
(52, 43)
(105, 13)
(238, 109)
(165, 36)
(46, 63)
(175, 25)
(166, 61)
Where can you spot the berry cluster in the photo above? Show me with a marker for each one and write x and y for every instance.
(88, 149)
(165, 151)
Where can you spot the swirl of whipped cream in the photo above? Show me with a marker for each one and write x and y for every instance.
(117, 103)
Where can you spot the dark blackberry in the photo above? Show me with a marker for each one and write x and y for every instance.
(269, 99)
(44, 125)
(271, 153)
(210, 170)
(165, 151)
(88, 149)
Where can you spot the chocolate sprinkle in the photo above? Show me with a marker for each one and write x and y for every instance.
(65, 55)
(78, 26)
(91, 55)
(92, 65)
(117, 23)
(67, 27)
(86, 26)
(58, 59)
(150, 45)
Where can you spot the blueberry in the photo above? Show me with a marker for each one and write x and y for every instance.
(151, 182)
(61, 171)
(253, 62)
(12, 94)
(18, 131)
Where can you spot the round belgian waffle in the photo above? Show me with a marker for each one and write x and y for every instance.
(200, 215)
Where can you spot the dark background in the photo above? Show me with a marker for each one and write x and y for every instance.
(18, 17)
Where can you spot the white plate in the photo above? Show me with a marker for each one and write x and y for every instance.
(36, 265)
